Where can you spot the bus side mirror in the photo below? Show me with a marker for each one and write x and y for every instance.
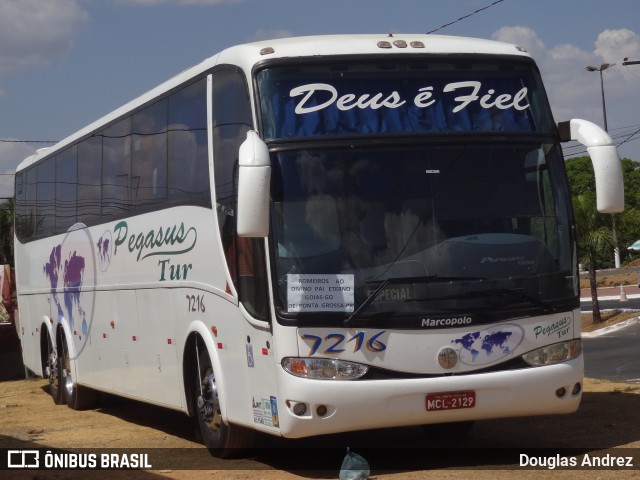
(605, 160)
(254, 183)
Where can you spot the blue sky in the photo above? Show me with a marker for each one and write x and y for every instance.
(65, 63)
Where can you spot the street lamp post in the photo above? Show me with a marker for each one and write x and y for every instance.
(600, 69)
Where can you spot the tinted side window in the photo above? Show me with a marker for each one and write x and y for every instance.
(188, 146)
(149, 167)
(45, 197)
(21, 205)
(66, 189)
(30, 201)
(116, 169)
(152, 159)
(232, 119)
(90, 180)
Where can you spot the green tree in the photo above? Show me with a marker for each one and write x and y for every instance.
(582, 180)
(595, 230)
(580, 174)
(595, 236)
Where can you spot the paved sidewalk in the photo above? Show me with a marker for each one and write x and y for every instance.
(612, 293)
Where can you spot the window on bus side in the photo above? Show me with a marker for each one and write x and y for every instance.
(149, 156)
(116, 169)
(89, 209)
(45, 198)
(31, 185)
(188, 147)
(149, 160)
(21, 206)
(66, 189)
(232, 120)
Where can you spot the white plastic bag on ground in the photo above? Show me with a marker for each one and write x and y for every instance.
(354, 467)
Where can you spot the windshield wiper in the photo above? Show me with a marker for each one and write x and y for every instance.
(423, 279)
(516, 294)
(366, 302)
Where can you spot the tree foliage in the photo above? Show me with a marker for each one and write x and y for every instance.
(6, 232)
(582, 181)
(597, 234)
(595, 237)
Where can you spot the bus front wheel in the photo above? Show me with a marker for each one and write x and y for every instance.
(455, 432)
(222, 439)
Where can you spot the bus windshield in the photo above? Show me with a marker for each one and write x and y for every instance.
(413, 189)
(473, 228)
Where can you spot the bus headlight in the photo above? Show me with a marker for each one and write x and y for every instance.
(324, 368)
(556, 353)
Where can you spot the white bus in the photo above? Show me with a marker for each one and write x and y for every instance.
(314, 235)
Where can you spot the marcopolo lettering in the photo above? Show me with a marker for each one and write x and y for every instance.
(446, 322)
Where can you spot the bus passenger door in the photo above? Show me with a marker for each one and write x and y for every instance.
(252, 290)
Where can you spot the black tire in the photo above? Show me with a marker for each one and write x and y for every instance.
(453, 432)
(51, 369)
(222, 439)
(74, 395)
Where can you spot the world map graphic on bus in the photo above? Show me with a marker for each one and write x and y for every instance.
(482, 347)
(69, 271)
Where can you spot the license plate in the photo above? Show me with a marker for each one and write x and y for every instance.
(451, 400)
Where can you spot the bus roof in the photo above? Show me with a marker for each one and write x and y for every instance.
(248, 55)
(333, 45)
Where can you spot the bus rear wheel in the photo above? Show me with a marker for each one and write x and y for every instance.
(52, 371)
(75, 396)
(222, 439)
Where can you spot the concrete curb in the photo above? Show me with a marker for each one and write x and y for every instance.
(610, 297)
(612, 328)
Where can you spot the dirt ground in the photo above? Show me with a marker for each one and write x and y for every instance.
(608, 419)
(612, 278)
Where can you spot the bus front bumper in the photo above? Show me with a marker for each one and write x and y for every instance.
(316, 407)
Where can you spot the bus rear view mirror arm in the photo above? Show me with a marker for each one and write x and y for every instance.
(254, 180)
(605, 160)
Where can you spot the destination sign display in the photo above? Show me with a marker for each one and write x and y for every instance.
(323, 103)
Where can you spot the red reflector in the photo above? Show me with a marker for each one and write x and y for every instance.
(134, 338)
(169, 341)
(220, 346)
(104, 335)
(265, 351)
